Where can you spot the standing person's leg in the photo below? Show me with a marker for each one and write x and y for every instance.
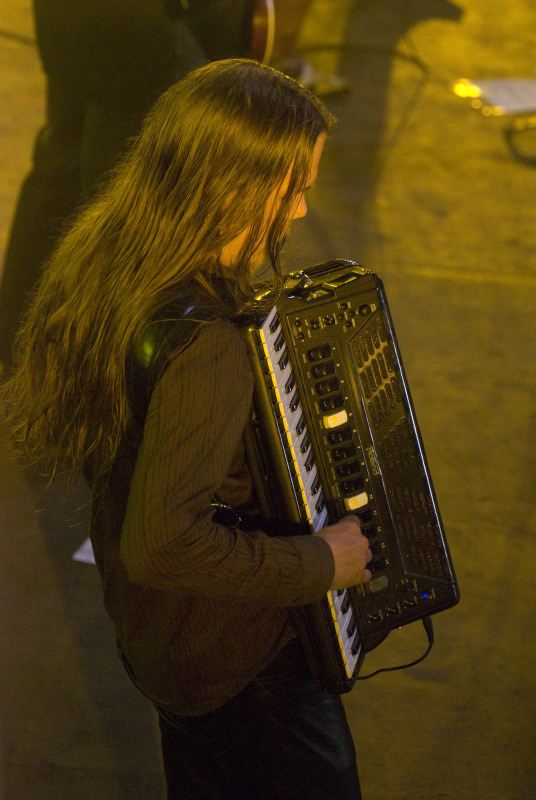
(106, 63)
(48, 197)
(289, 17)
(286, 56)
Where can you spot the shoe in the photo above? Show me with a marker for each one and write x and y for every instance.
(318, 82)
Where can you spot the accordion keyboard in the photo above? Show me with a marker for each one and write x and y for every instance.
(304, 470)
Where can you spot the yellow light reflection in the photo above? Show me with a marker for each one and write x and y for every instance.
(466, 88)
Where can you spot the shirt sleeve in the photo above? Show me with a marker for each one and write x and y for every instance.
(193, 428)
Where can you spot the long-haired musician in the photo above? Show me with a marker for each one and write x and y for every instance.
(132, 368)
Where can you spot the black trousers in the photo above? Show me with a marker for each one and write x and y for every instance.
(281, 738)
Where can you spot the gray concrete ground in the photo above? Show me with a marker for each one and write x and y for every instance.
(422, 188)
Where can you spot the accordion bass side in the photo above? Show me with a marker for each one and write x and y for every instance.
(333, 432)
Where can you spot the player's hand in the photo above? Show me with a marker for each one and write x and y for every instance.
(351, 552)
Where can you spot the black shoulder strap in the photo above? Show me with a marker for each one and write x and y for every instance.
(170, 332)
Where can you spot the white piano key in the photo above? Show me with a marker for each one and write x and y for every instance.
(321, 520)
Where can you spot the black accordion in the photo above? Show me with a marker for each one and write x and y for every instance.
(333, 432)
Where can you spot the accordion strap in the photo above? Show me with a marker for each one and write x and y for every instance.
(174, 329)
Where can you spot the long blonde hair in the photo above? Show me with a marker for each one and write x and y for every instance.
(212, 150)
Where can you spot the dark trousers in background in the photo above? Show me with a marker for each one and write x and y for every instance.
(106, 62)
(282, 738)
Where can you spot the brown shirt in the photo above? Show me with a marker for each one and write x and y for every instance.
(199, 609)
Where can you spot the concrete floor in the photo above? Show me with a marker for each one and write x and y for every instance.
(422, 188)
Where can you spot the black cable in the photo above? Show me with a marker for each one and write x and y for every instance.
(427, 622)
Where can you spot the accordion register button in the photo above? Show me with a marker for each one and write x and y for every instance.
(332, 402)
(340, 436)
(353, 485)
(377, 584)
(376, 564)
(348, 468)
(334, 420)
(317, 353)
(357, 501)
(329, 385)
(321, 370)
(346, 451)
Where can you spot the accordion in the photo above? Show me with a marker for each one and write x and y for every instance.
(333, 432)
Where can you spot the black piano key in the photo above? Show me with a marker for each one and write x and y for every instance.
(310, 462)
(274, 324)
(295, 402)
(315, 486)
(356, 645)
(290, 384)
(320, 504)
(279, 342)
(305, 443)
(283, 361)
